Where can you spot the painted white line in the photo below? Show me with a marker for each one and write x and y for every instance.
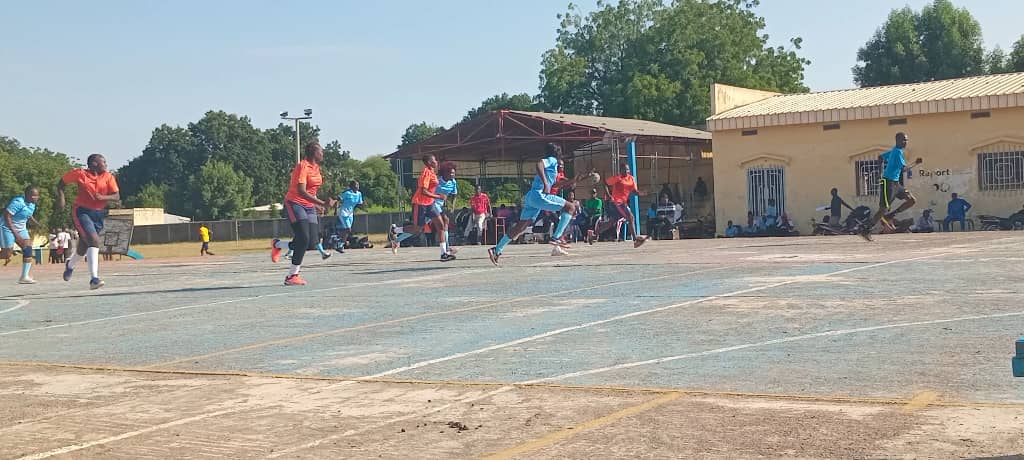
(634, 314)
(375, 426)
(286, 291)
(771, 342)
(301, 338)
(21, 303)
(86, 445)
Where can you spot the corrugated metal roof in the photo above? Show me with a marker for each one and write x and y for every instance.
(623, 125)
(962, 94)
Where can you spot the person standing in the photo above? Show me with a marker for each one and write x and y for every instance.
(480, 205)
(956, 210)
(96, 188)
(302, 206)
(835, 209)
(65, 244)
(620, 188)
(14, 230)
(349, 200)
(54, 246)
(204, 235)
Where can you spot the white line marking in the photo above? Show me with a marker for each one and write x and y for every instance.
(85, 445)
(286, 291)
(631, 315)
(289, 340)
(21, 303)
(771, 342)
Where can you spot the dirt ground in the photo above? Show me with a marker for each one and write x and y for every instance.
(79, 413)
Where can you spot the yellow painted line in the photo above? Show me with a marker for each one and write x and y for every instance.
(553, 386)
(561, 435)
(921, 400)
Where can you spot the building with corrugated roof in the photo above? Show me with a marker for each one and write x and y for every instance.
(794, 148)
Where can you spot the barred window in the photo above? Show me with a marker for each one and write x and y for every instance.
(867, 174)
(1001, 171)
(763, 184)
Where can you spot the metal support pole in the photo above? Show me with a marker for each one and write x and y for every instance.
(635, 200)
(298, 148)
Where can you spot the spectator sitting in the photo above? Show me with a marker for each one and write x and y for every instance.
(925, 223)
(771, 214)
(732, 230)
(594, 208)
(956, 210)
(785, 224)
(666, 215)
(753, 225)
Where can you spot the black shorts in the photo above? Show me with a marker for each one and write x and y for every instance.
(616, 211)
(890, 191)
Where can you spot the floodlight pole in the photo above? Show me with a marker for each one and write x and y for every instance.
(298, 142)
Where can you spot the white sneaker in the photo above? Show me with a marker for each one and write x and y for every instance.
(558, 251)
(26, 280)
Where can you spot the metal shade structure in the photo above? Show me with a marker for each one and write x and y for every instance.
(512, 135)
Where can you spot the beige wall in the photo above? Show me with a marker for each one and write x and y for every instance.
(725, 97)
(140, 216)
(815, 161)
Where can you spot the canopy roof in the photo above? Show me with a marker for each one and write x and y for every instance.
(512, 135)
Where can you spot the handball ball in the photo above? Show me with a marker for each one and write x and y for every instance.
(595, 178)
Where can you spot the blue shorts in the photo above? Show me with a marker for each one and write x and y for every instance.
(300, 213)
(535, 201)
(423, 214)
(88, 221)
(345, 222)
(7, 236)
(615, 211)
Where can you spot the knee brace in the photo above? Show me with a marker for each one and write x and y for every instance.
(27, 252)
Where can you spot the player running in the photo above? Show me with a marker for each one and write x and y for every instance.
(96, 188)
(424, 211)
(539, 198)
(619, 189)
(891, 186)
(302, 206)
(349, 200)
(14, 230)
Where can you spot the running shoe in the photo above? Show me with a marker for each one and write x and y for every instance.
(26, 280)
(865, 232)
(326, 255)
(558, 251)
(447, 257)
(68, 271)
(294, 280)
(493, 254)
(95, 284)
(640, 240)
(560, 243)
(275, 252)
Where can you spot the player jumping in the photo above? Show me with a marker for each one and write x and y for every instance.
(619, 189)
(539, 198)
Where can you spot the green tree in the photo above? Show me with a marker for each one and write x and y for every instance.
(466, 192)
(378, 182)
(23, 166)
(940, 42)
(643, 59)
(502, 101)
(149, 196)
(1015, 62)
(223, 191)
(418, 132)
(170, 158)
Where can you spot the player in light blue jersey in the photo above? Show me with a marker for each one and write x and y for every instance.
(538, 199)
(349, 201)
(14, 230)
(891, 186)
(447, 188)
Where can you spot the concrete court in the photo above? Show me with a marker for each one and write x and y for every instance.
(776, 347)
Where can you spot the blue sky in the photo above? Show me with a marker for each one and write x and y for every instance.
(84, 77)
